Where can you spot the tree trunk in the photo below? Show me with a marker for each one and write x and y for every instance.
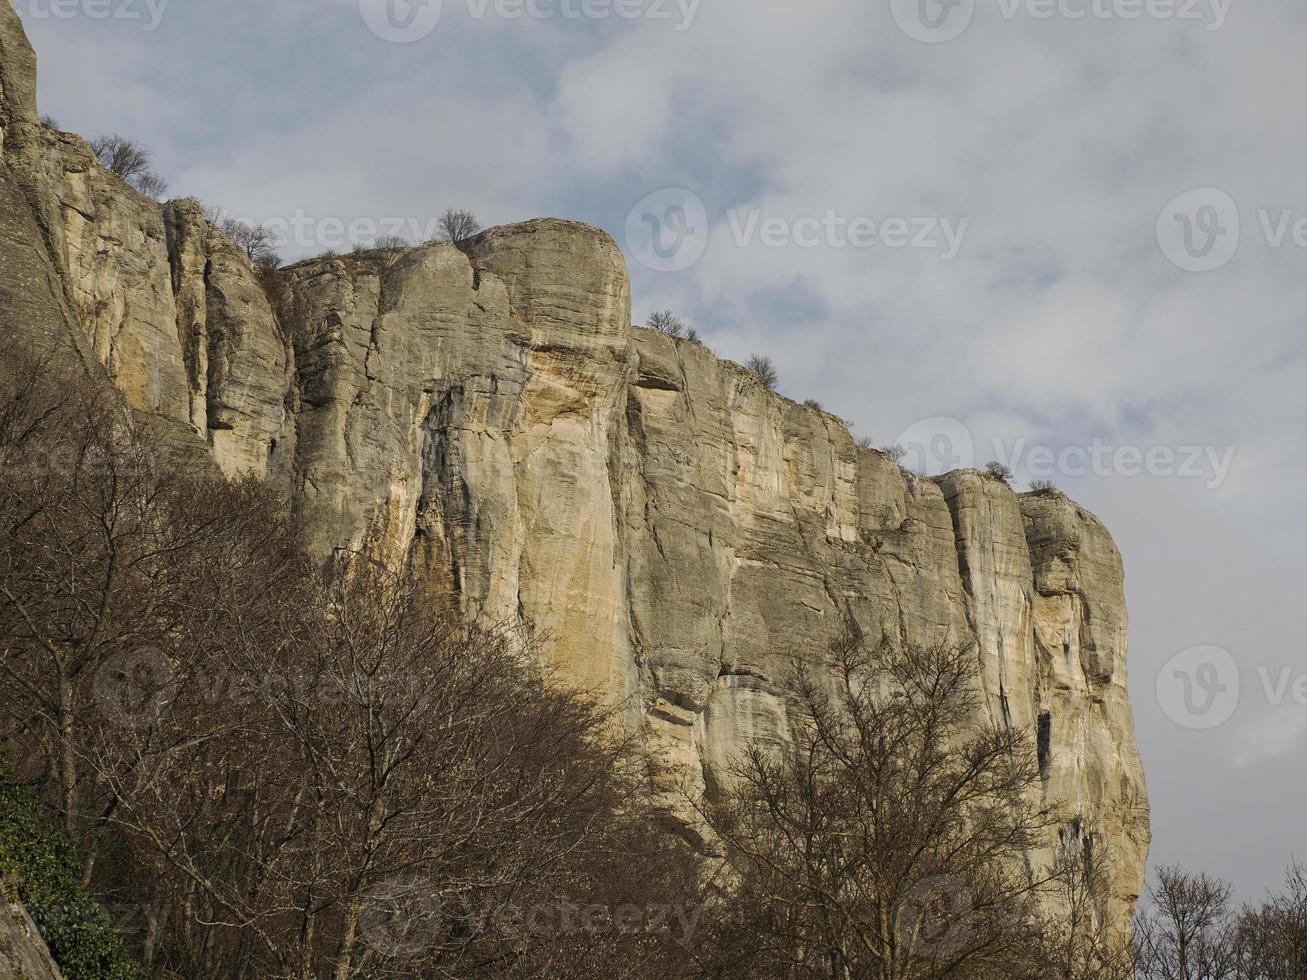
(67, 757)
(345, 954)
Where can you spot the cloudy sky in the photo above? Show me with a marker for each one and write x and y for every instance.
(1067, 234)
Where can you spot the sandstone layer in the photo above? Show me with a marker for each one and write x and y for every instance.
(672, 530)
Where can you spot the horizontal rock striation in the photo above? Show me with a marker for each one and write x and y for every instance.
(671, 530)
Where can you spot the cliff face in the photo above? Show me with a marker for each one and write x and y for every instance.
(672, 530)
(23, 954)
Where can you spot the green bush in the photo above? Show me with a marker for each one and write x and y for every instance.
(40, 862)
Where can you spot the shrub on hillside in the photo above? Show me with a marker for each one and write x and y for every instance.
(667, 322)
(999, 471)
(47, 873)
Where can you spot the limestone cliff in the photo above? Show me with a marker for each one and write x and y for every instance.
(23, 954)
(670, 528)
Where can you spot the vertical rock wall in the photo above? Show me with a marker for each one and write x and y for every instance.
(671, 530)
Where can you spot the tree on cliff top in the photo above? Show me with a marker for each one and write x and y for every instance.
(999, 471)
(258, 242)
(764, 369)
(456, 227)
(667, 322)
(131, 161)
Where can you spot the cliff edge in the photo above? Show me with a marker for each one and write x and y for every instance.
(671, 529)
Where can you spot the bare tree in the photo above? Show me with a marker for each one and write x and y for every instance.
(392, 781)
(267, 264)
(1271, 938)
(1078, 944)
(1185, 931)
(75, 532)
(130, 161)
(108, 554)
(764, 370)
(665, 321)
(886, 839)
(294, 768)
(121, 156)
(999, 471)
(456, 227)
(258, 242)
(151, 185)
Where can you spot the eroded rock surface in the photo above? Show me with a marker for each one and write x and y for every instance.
(671, 530)
(23, 953)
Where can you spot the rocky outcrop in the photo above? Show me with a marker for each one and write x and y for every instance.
(671, 530)
(17, 74)
(464, 409)
(23, 953)
(32, 306)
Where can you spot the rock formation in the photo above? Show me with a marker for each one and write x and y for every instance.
(23, 954)
(671, 529)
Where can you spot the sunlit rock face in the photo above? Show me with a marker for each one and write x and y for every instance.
(672, 532)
